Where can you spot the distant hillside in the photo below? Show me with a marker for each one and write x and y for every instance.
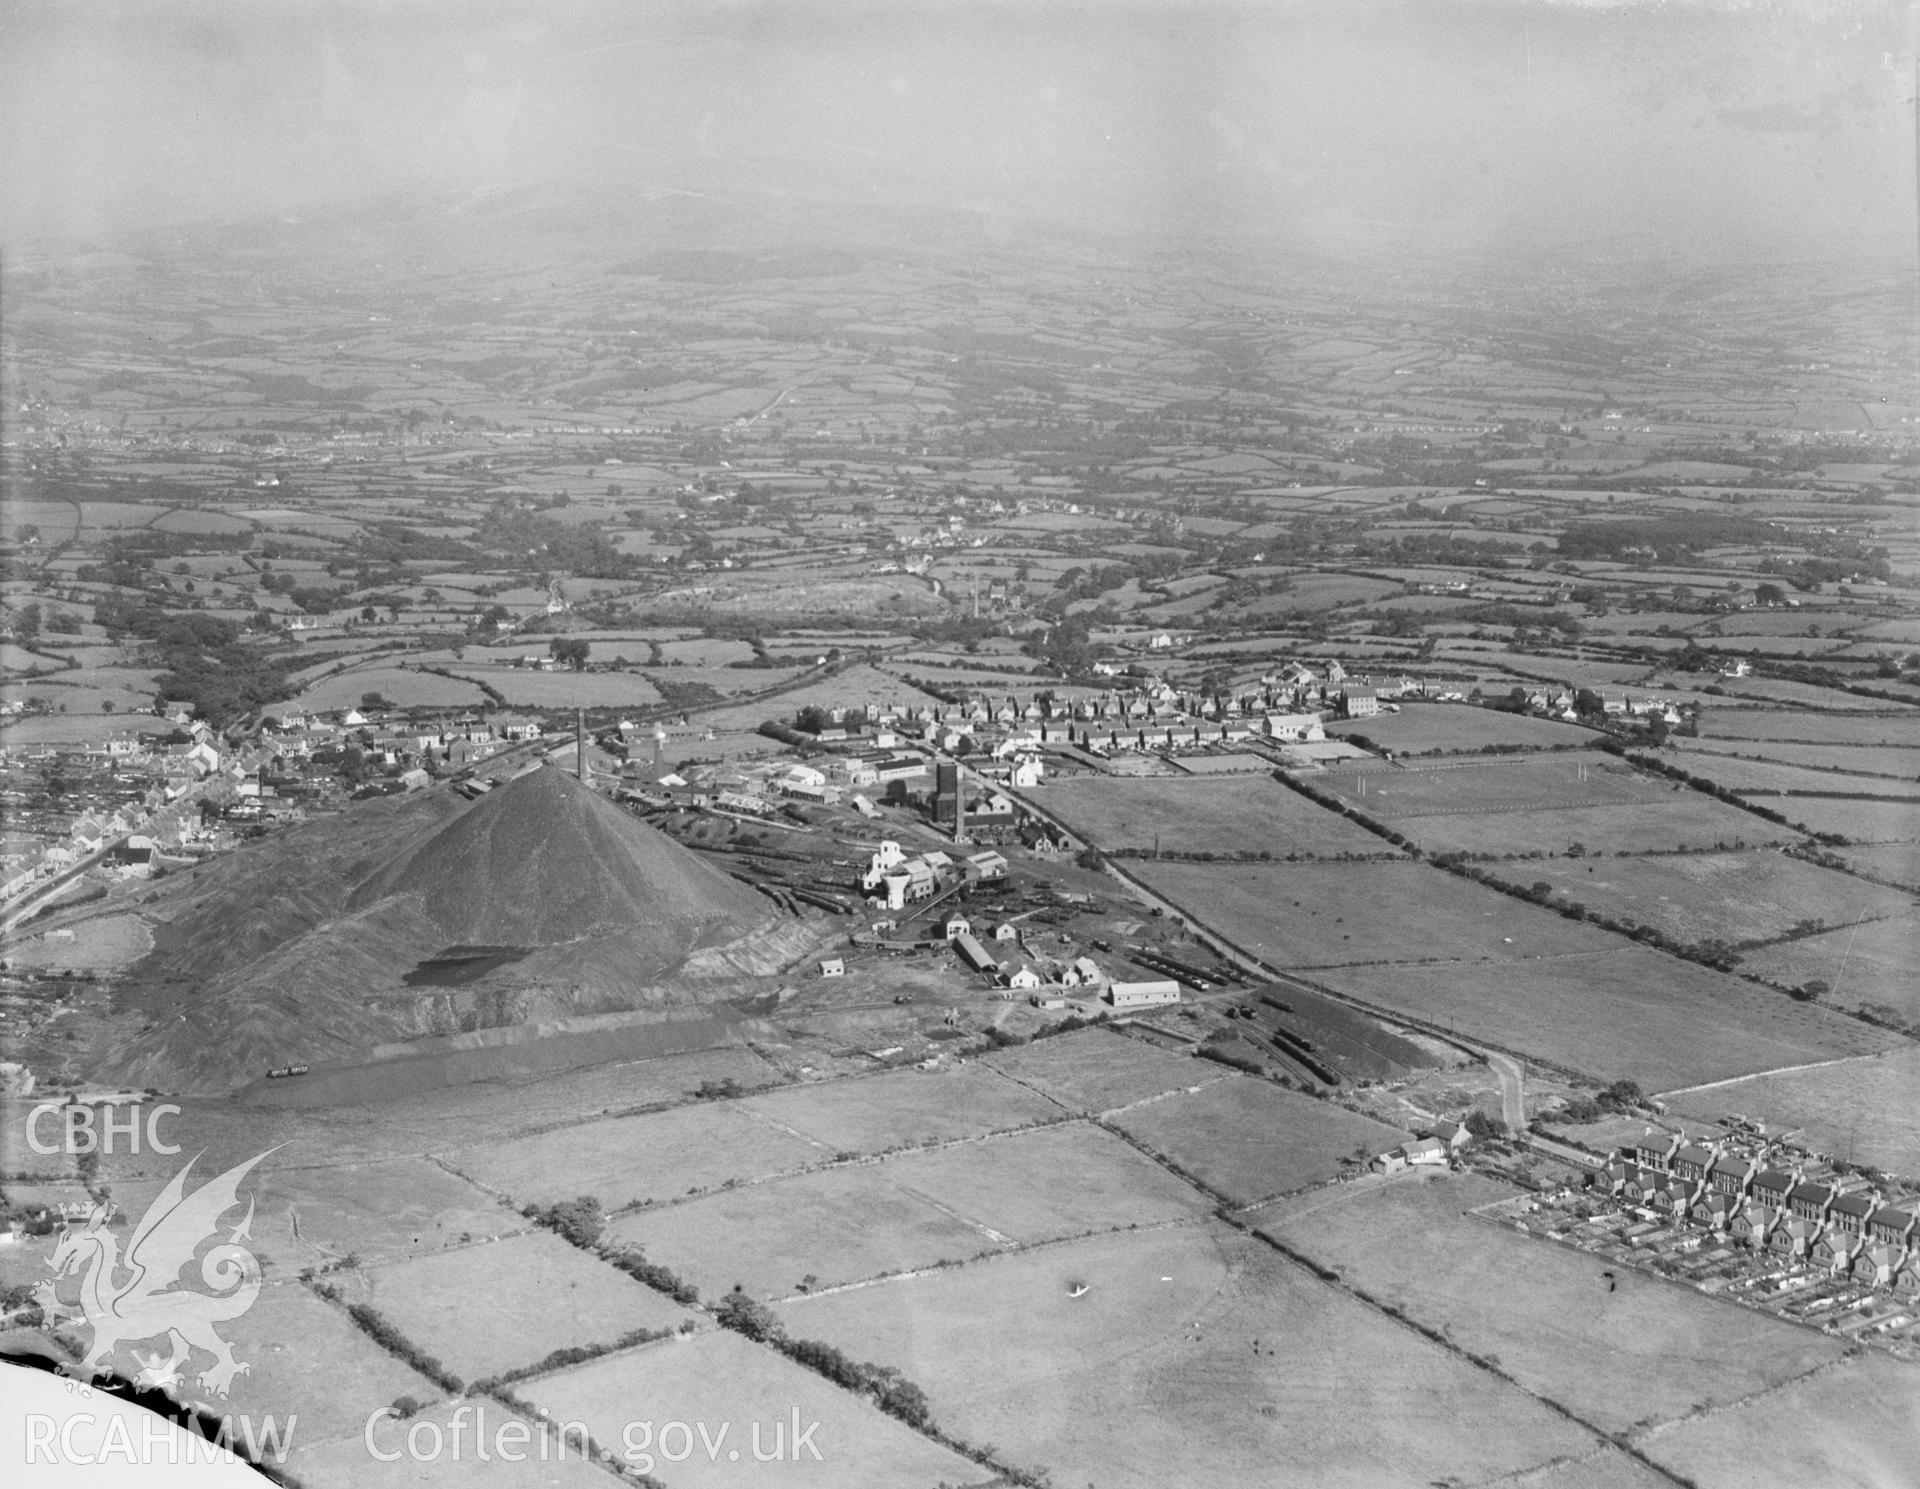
(715, 266)
(297, 950)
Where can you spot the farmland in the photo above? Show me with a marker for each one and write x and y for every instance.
(909, 1109)
(1732, 897)
(1851, 1427)
(1094, 1071)
(541, 1295)
(1868, 1108)
(910, 1211)
(1228, 816)
(1621, 1358)
(627, 1160)
(718, 1378)
(1335, 914)
(1248, 1139)
(1440, 729)
(1336, 1394)
(1632, 1012)
(345, 1463)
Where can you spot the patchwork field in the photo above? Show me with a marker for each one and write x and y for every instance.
(307, 1358)
(1244, 814)
(530, 688)
(1195, 1355)
(1851, 1427)
(1734, 897)
(1633, 1013)
(720, 1378)
(847, 1224)
(381, 1211)
(540, 1294)
(1887, 728)
(1621, 1357)
(344, 690)
(1874, 967)
(1856, 821)
(1249, 1138)
(1689, 821)
(1095, 1071)
(1869, 1108)
(624, 1160)
(910, 1108)
(1335, 914)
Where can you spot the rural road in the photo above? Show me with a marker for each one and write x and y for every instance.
(1513, 1088)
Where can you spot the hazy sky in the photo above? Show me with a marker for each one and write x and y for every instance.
(1721, 126)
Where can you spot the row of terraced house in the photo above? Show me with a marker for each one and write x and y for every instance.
(1839, 1222)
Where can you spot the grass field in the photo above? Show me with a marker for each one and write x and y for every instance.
(1873, 760)
(1153, 1375)
(1734, 897)
(910, 1108)
(1871, 967)
(1237, 815)
(1096, 1071)
(720, 1378)
(1249, 1139)
(1689, 821)
(401, 685)
(1619, 1358)
(307, 1358)
(500, 1305)
(1764, 778)
(1335, 914)
(104, 943)
(1852, 1427)
(620, 1160)
(1896, 863)
(1629, 1013)
(1432, 728)
(529, 688)
(1857, 821)
(1867, 1109)
(914, 1210)
(1532, 783)
(380, 1211)
(1899, 729)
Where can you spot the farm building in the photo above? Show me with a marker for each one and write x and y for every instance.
(1143, 994)
(1453, 1134)
(1425, 1150)
(833, 967)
